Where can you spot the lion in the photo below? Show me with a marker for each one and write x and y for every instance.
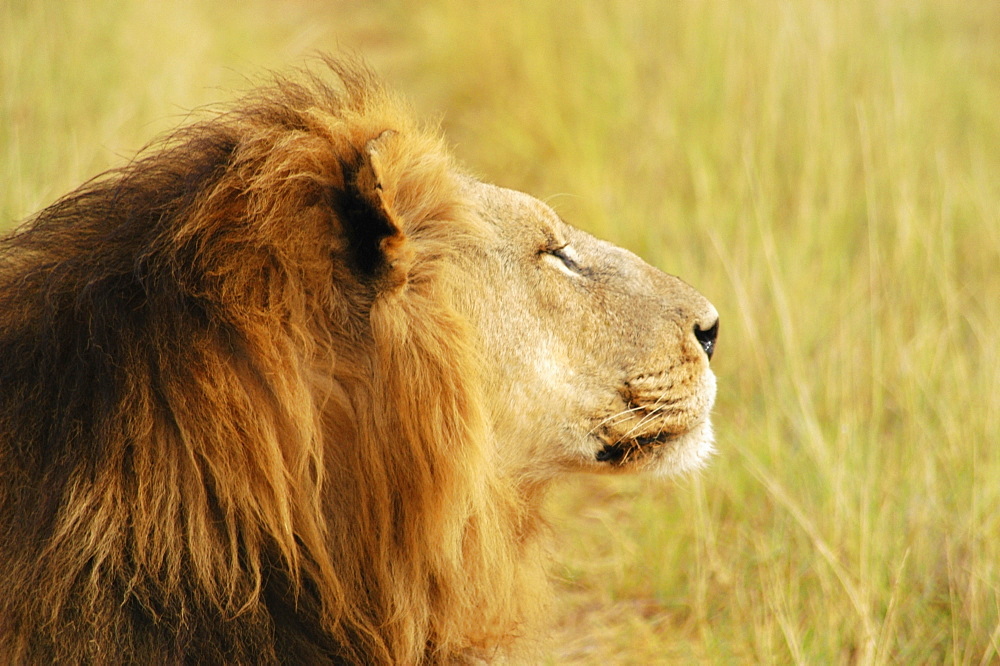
(290, 386)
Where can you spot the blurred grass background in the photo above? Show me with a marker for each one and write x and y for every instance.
(825, 172)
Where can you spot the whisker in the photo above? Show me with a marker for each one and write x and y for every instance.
(643, 421)
(653, 410)
(616, 417)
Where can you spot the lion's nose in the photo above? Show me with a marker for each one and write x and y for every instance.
(706, 333)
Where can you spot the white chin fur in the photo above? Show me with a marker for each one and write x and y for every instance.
(688, 453)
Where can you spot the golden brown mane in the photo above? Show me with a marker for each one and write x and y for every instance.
(239, 419)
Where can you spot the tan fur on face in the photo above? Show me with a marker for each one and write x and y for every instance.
(600, 368)
(260, 396)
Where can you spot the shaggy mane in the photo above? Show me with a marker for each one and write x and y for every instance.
(229, 432)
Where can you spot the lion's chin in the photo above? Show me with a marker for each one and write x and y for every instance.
(662, 454)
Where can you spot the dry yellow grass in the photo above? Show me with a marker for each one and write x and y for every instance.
(826, 172)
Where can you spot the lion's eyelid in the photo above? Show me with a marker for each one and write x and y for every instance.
(567, 263)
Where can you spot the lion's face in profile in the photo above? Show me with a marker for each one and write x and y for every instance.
(600, 362)
(290, 386)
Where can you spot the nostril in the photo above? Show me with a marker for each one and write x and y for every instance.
(706, 337)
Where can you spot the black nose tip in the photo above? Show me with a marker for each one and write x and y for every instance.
(706, 337)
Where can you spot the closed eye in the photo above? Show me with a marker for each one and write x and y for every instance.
(564, 259)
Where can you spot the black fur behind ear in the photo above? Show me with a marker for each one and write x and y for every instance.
(374, 236)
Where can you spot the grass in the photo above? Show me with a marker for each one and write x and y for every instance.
(826, 172)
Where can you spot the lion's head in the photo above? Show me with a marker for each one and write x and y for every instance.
(290, 386)
(599, 361)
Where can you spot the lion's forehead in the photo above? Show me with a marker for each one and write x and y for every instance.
(513, 210)
(520, 217)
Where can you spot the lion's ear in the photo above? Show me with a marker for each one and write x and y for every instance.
(376, 241)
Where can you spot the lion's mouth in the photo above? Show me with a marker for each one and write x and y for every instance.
(621, 451)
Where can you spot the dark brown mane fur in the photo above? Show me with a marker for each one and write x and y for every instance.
(240, 421)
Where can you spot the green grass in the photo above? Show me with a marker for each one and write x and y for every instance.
(826, 172)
